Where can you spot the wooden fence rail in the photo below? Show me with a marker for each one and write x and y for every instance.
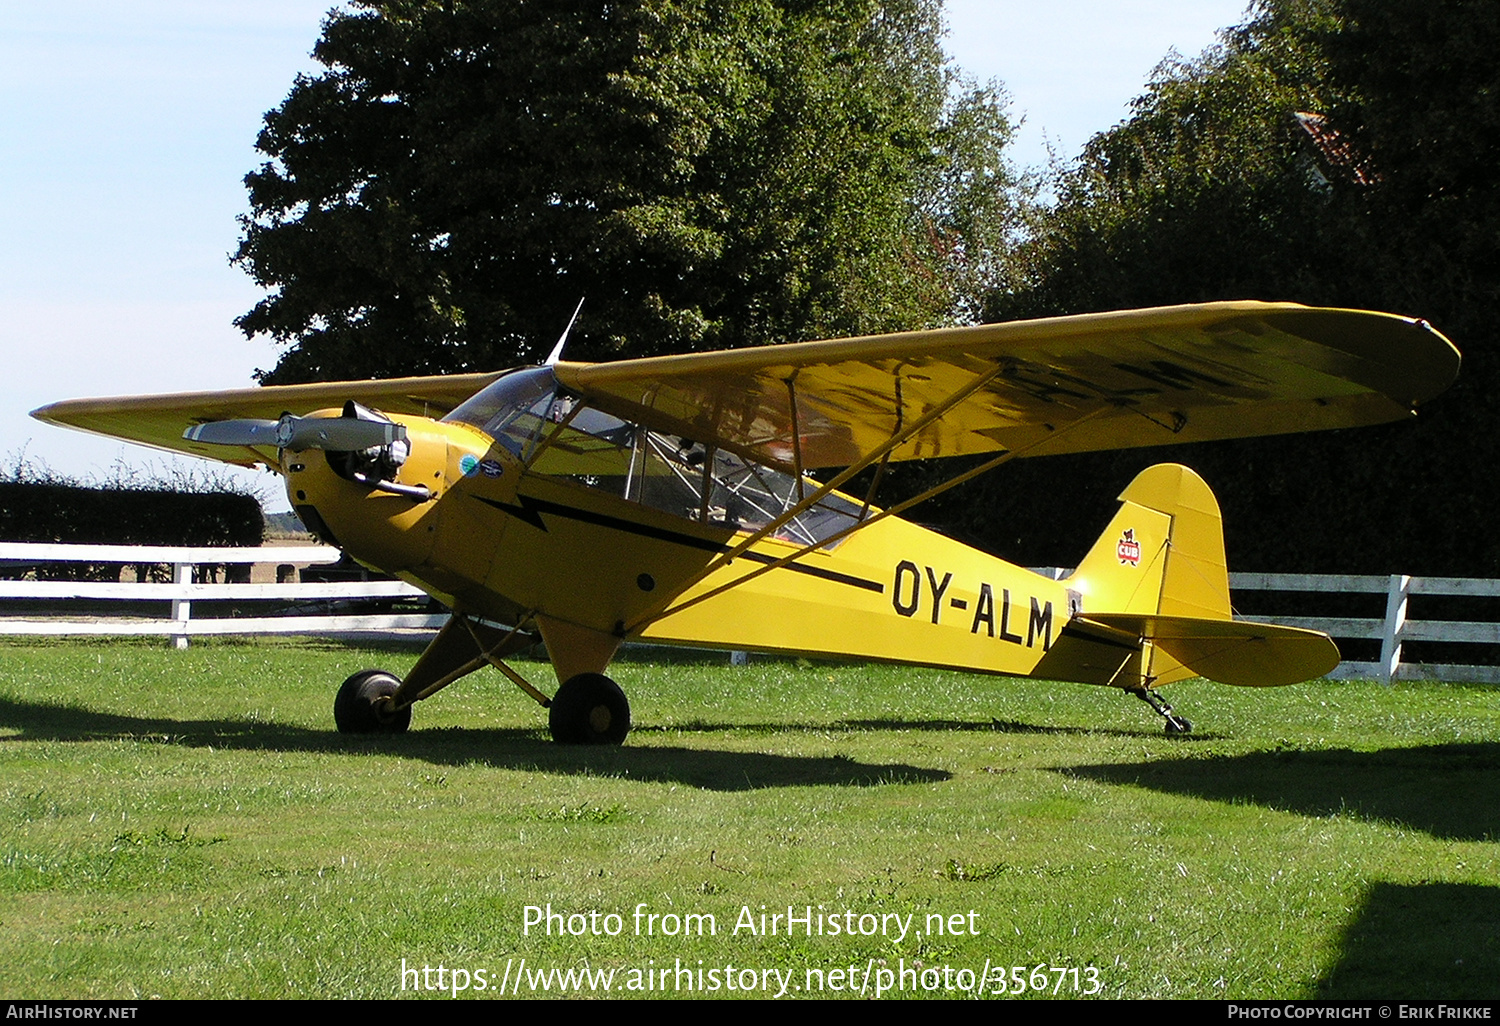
(1393, 631)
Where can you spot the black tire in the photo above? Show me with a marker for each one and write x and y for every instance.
(1174, 730)
(360, 708)
(589, 709)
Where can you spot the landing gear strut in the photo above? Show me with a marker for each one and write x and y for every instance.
(1175, 724)
(589, 709)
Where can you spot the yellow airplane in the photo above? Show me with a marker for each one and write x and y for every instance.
(671, 500)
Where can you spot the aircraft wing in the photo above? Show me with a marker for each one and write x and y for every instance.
(159, 420)
(1040, 387)
(1034, 388)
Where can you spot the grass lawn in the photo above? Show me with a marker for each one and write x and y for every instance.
(188, 824)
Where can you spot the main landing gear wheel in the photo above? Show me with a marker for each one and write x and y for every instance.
(589, 709)
(363, 705)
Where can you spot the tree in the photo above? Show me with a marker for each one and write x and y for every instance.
(1214, 189)
(1204, 193)
(704, 173)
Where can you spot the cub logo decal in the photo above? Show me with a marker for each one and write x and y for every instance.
(1128, 549)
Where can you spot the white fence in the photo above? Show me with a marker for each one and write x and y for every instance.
(1393, 631)
(178, 597)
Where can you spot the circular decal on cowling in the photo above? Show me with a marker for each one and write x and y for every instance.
(467, 462)
(491, 468)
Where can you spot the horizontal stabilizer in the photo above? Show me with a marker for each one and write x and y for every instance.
(1232, 651)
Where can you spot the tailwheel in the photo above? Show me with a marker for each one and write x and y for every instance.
(1176, 725)
(363, 705)
(589, 709)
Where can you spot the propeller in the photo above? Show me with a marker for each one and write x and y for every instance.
(362, 445)
(331, 434)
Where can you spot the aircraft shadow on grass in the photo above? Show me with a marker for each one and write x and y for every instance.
(1420, 941)
(1018, 727)
(498, 747)
(1451, 791)
(938, 726)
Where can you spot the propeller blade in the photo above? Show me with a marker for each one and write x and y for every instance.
(234, 432)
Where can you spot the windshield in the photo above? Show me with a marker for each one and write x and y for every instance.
(513, 409)
(682, 477)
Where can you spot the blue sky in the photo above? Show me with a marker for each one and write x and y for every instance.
(127, 128)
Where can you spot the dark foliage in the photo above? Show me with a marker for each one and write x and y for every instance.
(1214, 190)
(58, 512)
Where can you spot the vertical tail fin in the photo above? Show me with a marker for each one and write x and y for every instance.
(1161, 556)
(1163, 553)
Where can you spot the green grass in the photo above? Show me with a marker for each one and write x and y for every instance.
(187, 824)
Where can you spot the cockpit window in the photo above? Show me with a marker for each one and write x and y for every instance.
(682, 477)
(513, 409)
(748, 496)
(527, 412)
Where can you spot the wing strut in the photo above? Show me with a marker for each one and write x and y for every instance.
(953, 482)
(791, 398)
(880, 453)
(885, 460)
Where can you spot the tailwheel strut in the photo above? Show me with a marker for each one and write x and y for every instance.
(1175, 724)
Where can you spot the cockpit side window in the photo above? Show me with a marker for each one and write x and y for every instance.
(588, 447)
(683, 477)
(747, 496)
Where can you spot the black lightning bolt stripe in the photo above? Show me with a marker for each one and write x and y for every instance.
(531, 509)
